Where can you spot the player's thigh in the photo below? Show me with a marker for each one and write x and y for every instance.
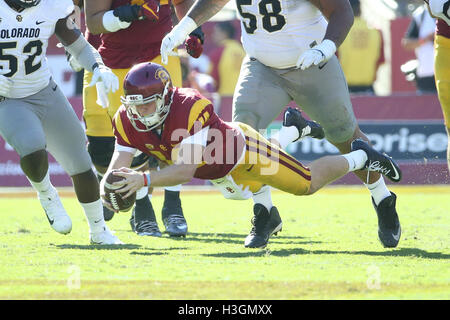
(96, 118)
(322, 93)
(259, 97)
(21, 127)
(173, 66)
(442, 74)
(266, 164)
(66, 140)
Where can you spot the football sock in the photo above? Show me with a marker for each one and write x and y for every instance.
(143, 209)
(286, 135)
(378, 190)
(171, 201)
(356, 160)
(43, 187)
(94, 215)
(263, 196)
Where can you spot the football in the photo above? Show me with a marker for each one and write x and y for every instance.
(116, 200)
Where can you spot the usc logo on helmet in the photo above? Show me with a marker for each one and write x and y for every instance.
(163, 75)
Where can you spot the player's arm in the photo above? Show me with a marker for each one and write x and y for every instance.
(181, 172)
(340, 18)
(200, 12)
(87, 56)
(203, 10)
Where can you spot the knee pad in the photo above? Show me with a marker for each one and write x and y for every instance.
(101, 150)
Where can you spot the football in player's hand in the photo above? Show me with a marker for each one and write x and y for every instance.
(116, 199)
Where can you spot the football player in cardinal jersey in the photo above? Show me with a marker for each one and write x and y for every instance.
(180, 127)
(291, 46)
(441, 10)
(130, 32)
(35, 116)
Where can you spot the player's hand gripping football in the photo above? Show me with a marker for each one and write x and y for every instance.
(6, 84)
(133, 181)
(106, 76)
(317, 54)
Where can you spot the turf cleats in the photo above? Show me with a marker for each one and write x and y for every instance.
(306, 128)
(176, 225)
(147, 228)
(104, 237)
(264, 225)
(56, 214)
(389, 230)
(172, 215)
(377, 161)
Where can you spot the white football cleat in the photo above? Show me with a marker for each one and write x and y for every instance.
(104, 237)
(56, 214)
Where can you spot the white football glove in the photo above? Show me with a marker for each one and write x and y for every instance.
(176, 37)
(107, 77)
(5, 84)
(316, 55)
(440, 9)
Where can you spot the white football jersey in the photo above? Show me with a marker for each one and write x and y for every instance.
(277, 32)
(24, 41)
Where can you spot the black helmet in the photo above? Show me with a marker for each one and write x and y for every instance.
(26, 3)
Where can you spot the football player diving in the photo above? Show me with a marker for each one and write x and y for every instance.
(180, 125)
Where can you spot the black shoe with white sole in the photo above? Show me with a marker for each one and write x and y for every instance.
(389, 229)
(377, 161)
(176, 225)
(147, 228)
(306, 128)
(265, 224)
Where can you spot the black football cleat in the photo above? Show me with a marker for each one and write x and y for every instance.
(306, 128)
(377, 161)
(389, 229)
(176, 225)
(264, 225)
(147, 228)
(107, 214)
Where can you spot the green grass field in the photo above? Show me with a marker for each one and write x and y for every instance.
(328, 249)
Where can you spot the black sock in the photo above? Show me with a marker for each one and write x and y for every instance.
(172, 203)
(144, 210)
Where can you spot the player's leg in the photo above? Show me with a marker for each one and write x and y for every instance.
(259, 97)
(172, 212)
(257, 100)
(21, 127)
(442, 74)
(322, 93)
(99, 133)
(66, 141)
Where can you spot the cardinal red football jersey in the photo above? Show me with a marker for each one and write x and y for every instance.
(140, 42)
(189, 113)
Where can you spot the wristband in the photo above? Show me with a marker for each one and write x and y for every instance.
(327, 47)
(146, 179)
(112, 23)
(185, 26)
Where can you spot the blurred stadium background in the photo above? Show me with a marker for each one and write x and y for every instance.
(399, 121)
